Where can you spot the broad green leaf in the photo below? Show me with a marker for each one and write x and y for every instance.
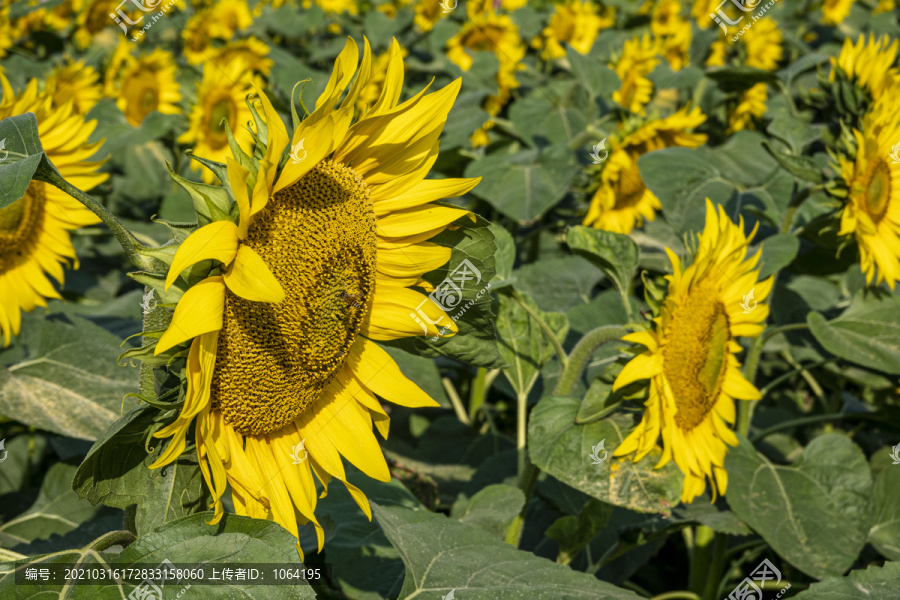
(613, 253)
(796, 133)
(472, 310)
(885, 531)
(813, 513)
(595, 404)
(525, 185)
(558, 284)
(442, 555)
(523, 344)
(592, 74)
(554, 114)
(68, 380)
(867, 334)
(21, 155)
(505, 257)
(492, 509)
(873, 583)
(57, 510)
(799, 166)
(188, 540)
(738, 79)
(574, 533)
(563, 449)
(777, 252)
(23, 454)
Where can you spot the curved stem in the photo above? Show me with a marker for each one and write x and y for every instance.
(582, 353)
(126, 239)
(557, 345)
(122, 538)
(455, 400)
(680, 595)
(714, 576)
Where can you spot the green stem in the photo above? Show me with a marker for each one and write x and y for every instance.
(557, 345)
(122, 538)
(582, 353)
(477, 393)
(455, 400)
(9, 555)
(126, 239)
(521, 430)
(683, 595)
(811, 420)
(703, 542)
(714, 576)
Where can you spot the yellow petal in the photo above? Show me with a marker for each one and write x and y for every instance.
(237, 180)
(377, 371)
(429, 190)
(276, 133)
(250, 278)
(199, 311)
(216, 241)
(415, 220)
(317, 143)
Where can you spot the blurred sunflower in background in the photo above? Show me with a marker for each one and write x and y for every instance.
(93, 17)
(75, 81)
(575, 23)
(638, 59)
(274, 364)
(690, 356)
(622, 201)
(868, 63)
(220, 96)
(872, 210)
(672, 33)
(34, 230)
(835, 11)
(143, 84)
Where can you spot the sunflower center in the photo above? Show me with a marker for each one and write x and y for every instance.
(876, 190)
(225, 109)
(273, 360)
(19, 220)
(694, 355)
(631, 188)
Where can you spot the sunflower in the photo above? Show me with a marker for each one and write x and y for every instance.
(93, 17)
(428, 13)
(672, 32)
(690, 356)
(334, 7)
(220, 95)
(198, 36)
(77, 82)
(639, 58)
(870, 63)
(253, 51)
(58, 18)
(835, 11)
(146, 84)
(34, 230)
(489, 32)
(232, 15)
(6, 32)
(763, 43)
(872, 212)
(275, 366)
(751, 106)
(576, 23)
(884, 6)
(701, 11)
(622, 201)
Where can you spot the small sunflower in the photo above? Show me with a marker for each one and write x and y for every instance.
(490, 32)
(34, 230)
(638, 59)
(220, 95)
(763, 43)
(576, 23)
(750, 108)
(884, 6)
(145, 84)
(75, 81)
(198, 36)
(622, 201)
(232, 15)
(701, 11)
(872, 212)
(690, 356)
(93, 17)
(870, 63)
(253, 51)
(835, 11)
(334, 7)
(274, 363)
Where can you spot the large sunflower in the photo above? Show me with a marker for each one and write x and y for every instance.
(689, 357)
(34, 231)
(872, 212)
(277, 369)
(220, 95)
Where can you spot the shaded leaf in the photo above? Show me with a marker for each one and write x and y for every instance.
(615, 254)
(523, 344)
(885, 531)
(873, 583)
(492, 509)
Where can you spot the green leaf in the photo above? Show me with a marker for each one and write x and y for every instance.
(553, 114)
(189, 540)
(559, 284)
(799, 166)
(885, 531)
(525, 185)
(873, 583)
(739, 79)
(67, 380)
(778, 251)
(523, 344)
(505, 257)
(562, 448)
(867, 334)
(794, 132)
(615, 254)
(492, 509)
(574, 533)
(57, 510)
(442, 554)
(813, 513)
(21, 155)
(592, 74)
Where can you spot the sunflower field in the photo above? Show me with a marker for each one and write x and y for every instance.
(450, 299)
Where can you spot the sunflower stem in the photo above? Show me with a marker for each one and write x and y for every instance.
(557, 345)
(479, 390)
(679, 595)
(714, 576)
(700, 557)
(455, 400)
(126, 239)
(113, 538)
(522, 431)
(582, 353)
